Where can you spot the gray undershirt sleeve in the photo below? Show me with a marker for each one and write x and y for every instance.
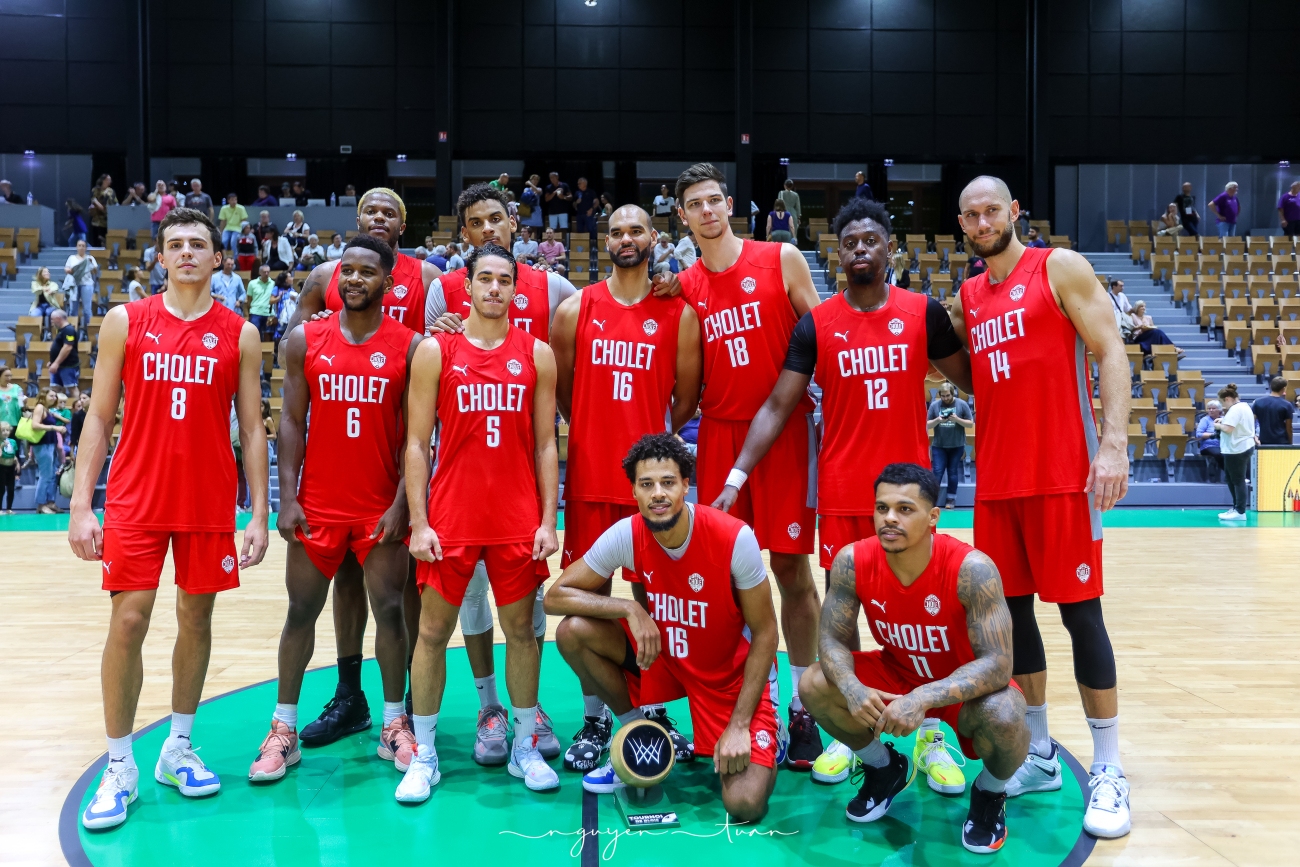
(435, 304)
(558, 288)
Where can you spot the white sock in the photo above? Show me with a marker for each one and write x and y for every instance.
(773, 689)
(287, 714)
(990, 783)
(796, 672)
(525, 725)
(487, 691)
(1105, 744)
(649, 710)
(1040, 742)
(119, 750)
(631, 716)
(592, 706)
(425, 728)
(873, 754)
(182, 725)
(929, 724)
(392, 710)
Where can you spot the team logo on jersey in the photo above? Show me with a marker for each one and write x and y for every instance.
(521, 301)
(895, 326)
(932, 605)
(696, 581)
(378, 360)
(649, 327)
(749, 284)
(794, 530)
(1017, 291)
(1083, 573)
(227, 563)
(400, 291)
(210, 340)
(514, 367)
(763, 739)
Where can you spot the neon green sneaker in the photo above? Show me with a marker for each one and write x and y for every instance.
(834, 765)
(933, 756)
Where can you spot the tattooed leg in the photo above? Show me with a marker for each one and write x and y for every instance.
(996, 723)
(831, 710)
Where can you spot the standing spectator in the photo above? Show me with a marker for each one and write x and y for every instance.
(263, 226)
(81, 270)
(780, 223)
(586, 204)
(665, 260)
(530, 204)
(246, 247)
(1186, 204)
(228, 289)
(455, 261)
(1237, 443)
(284, 301)
(46, 294)
(1274, 414)
(286, 195)
(7, 194)
(863, 190)
(1288, 210)
(557, 203)
(1122, 307)
(11, 398)
(792, 203)
(101, 198)
(685, 251)
(313, 254)
(1207, 437)
(975, 267)
(260, 290)
(297, 232)
(135, 195)
(178, 192)
(1170, 222)
(664, 203)
(134, 290)
(335, 249)
(161, 203)
(8, 467)
(76, 228)
(199, 200)
(502, 182)
(438, 258)
(157, 273)
(232, 216)
(269, 423)
(300, 194)
(949, 417)
(265, 199)
(79, 407)
(1034, 240)
(47, 482)
(552, 251)
(1225, 207)
(525, 249)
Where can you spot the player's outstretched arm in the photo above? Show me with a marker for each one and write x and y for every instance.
(252, 439)
(422, 412)
(988, 624)
(731, 756)
(564, 338)
(575, 594)
(546, 454)
(84, 533)
(798, 280)
(310, 301)
(690, 368)
(790, 388)
(392, 527)
(1085, 301)
(291, 437)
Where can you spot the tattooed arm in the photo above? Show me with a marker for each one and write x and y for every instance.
(839, 622)
(988, 623)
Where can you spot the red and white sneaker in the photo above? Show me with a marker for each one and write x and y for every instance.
(278, 751)
(397, 743)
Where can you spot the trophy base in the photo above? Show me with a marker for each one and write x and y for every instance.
(645, 809)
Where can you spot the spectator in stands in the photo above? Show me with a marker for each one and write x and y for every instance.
(552, 251)
(1186, 204)
(268, 422)
(1170, 224)
(863, 190)
(135, 195)
(525, 249)
(286, 195)
(7, 194)
(690, 433)
(1225, 207)
(438, 258)
(1033, 240)
(530, 204)
(586, 206)
(101, 197)
(792, 204)
(81, 270)
(335, 249)
(11, 398)
(897, 273)
(607, 208)
(1207, 437)
(1288, 210)
(297, 232)
(232, 216)
(780, 223)
(1143, 331)
(556, 203)
(1274, 414)
(135, 291)
(47, 482)
(299, 194)
(65, 363)
(1237, 442)
(664, 204)
(154, 265)
(949, 417)
(262, 226)
(199, 200)
(1121, 304)
(177, 192)
(246, 247)
(284, 301)
(685, 251)
(265, 199)
(46, 294)
(79, 407)
(421, 252)
(501, 183)
(161, 203)
(975, 267)
(260, 290)
(75, 228)
(228, 289)
(350, 190)
(455, 258)
(313, 254)
(8, 467)
(665, 260)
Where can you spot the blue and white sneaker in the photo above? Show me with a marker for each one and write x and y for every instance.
(527, 764)
(782, 740)
(1037, 774)
(180, 766)
(602, 781)
(421, 776)
(117, 789)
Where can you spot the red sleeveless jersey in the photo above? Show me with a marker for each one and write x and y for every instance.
(174, 468)
(922, 627)
(871, 367)
(355, 400)
(624, 370)
(1022, 348)
(694, 602)
(484, 489)
(404, 302)
(747, 320)
(532, 300)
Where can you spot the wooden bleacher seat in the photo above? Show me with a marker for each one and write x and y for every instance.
(1206, 266)
(28, 242)
(1237, 309)
(1139, 229)
(1184, 289)
(1234, 246)
(30, 326)
(1165, 360)
(1285, 287)
(1186, 245)
(1191, 385)
(1236, 335)
(1162, 267)
(1259, 286)
(1284, 266)
(1235, 287)
(917, 244)
(1171, 441)
(1292, 378)
(9, 353)
(1212, 314)
(945, 245)
(1134, 354)
(1259, 245)
(1290, 360)
(927, 264)
(940, 286)
(1155, 385)
(1283, 246)
(1263, 310)
(1267, 360)
(1180, 411)
(268, 356)
(957, 263)
(1211, 246)
(1140, 249)
(1137, 444)
(1142, 411)
(1235, 265)
(1258, 265)
(8, 262)
(1289, 330)
(1116, 232)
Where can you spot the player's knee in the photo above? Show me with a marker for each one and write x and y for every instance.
(475, 614)
(388, 611)
(301, 614)
(1094, 658)
(813, 686)
(745, 806)
(194, 616)
(1002, 715)
(435, 632)
(130, 626)
(517, 623)
(573, 635)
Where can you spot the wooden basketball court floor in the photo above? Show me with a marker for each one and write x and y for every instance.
(1204, 619)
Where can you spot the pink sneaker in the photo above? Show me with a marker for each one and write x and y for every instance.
(397, 743)
(277, 753)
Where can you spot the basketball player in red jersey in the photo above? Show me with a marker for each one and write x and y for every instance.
(381, 214)
(936, 609)
(348, 372)
(749, 296)
(491, 389)
(701, 595)
(870, 347)
(626, 359)
(1045, 478)
(182, 359)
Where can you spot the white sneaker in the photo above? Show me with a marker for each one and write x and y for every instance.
(117, 789)
(1108, 810)
(421, 776)
(527, 763)
(180, 766)
(1037, 774)
(1231, 515)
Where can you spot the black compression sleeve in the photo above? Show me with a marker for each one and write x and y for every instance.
(942, 339)
(801, 357)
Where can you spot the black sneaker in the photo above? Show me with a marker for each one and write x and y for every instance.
(347, 713)
(879, 787)
(805, 741)
(986, 824)
(590, 743)
(684, 749)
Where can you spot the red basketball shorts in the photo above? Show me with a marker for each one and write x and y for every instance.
(835, 532)
(872, 670)
(1049, 545)
(205, 562)
(584, 521)
(775, 500)
(511, 570)
(329, 544)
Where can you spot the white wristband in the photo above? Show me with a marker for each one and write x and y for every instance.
(736, 478)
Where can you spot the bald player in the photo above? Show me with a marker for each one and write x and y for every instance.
(1046, 477)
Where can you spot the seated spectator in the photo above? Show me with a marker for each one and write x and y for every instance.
(350, 190)
(525, 249)
(46, 294)
(79, 407)
(277, 251)
(268, 422)
(7, 194)
(438, 258)
(665, 259)
(160, 203)
(685, 251)
(606, 206)
(262, 226)
(135, 195)
(76, 230)
(286, 196)
(552, 251)
(313, 254)
(1237, 441)
(265, 199)
(975, 267)
(897, 274)
(154, 265)
(1274, 413)
(228, 289)
(246, 248)
(82, 270)
(8, 467)
(335, 249)
(780, 223)
(949, 417)
(1144, 333)
(421, 252)
(1033, 240)
(297, 231)
(690, 433)
(1170, 222)
(663, 203)
(863, 189)
(300, 194)
(232, 216)
(134, 289)
(260, 290)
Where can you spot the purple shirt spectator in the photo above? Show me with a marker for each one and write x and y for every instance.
(1289, 205)
(1227, 206)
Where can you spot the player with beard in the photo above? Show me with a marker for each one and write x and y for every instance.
(871, 347)
(1045, 478)
(626, 358)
